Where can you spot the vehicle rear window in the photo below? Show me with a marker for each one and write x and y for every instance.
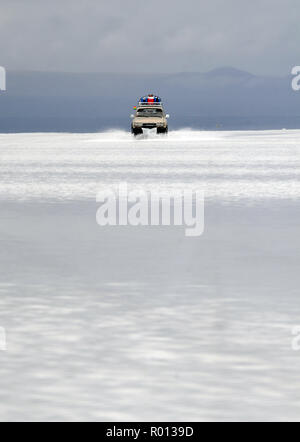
(149, 112)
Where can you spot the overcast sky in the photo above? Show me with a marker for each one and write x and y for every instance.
(260, 36)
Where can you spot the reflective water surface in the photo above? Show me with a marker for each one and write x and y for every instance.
(143, 323)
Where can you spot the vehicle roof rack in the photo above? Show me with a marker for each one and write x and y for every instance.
(141, 103)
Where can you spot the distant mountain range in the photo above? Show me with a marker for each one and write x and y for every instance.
(37, 101)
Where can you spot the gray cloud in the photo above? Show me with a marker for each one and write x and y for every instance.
(260, 36)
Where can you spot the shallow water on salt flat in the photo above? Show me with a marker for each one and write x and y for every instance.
(142, 323)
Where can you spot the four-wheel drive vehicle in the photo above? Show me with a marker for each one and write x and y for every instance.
(149, 116)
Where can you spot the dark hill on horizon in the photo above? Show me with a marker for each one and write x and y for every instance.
(52, 101)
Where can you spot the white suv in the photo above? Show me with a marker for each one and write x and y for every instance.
(149, 116)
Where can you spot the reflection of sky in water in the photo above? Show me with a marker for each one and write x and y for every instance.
(224, 164)
(144, 323)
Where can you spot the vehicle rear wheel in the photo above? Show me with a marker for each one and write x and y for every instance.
(136, 131)
(162, 130)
